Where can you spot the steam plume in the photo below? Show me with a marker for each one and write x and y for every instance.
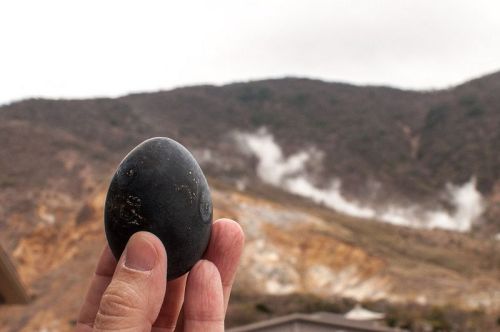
(290, 174)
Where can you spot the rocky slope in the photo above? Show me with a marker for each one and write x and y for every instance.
(304, 249)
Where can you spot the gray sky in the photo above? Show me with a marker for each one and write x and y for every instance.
(109, 48)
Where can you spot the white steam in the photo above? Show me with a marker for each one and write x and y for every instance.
(467, 203)
(290, 174)
(273, 168)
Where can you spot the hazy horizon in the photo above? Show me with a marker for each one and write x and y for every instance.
(118, 95)
(107, 49)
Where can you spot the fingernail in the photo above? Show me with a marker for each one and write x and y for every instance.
(140, 254)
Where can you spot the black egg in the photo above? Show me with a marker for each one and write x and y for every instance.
(160, 188)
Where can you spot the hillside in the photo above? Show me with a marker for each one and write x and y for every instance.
(58, 156)
(410, 143)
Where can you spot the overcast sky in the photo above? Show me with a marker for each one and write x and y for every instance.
(109, 48)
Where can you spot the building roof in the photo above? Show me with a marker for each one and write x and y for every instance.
(323, 318)
(360, 313)
(12, 290)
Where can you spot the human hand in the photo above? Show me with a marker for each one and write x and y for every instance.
(133, 295)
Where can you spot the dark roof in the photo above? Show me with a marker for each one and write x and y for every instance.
(11, 289)
(323, 318)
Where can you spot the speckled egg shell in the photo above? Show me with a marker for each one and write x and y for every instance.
(160, 188)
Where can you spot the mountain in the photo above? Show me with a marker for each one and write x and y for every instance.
(58, 157)
(412, 143)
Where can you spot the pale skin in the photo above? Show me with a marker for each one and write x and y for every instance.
(133, 294)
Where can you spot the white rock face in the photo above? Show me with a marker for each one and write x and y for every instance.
(284, 255)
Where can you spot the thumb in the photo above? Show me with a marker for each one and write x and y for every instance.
(134, 297)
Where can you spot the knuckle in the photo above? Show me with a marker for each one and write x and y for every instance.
(120, 300)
